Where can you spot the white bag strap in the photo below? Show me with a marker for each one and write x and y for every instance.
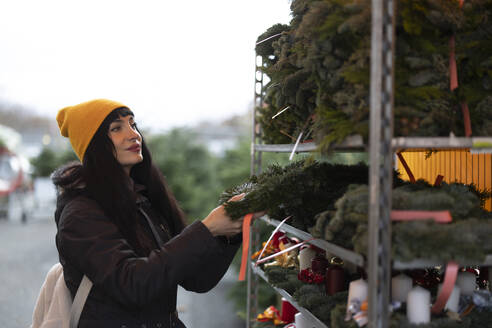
(79, 301)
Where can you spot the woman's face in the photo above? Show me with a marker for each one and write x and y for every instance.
(127, 141)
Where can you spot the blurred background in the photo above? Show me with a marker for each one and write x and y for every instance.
(187, 71)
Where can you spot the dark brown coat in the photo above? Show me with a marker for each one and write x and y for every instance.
(132, 291)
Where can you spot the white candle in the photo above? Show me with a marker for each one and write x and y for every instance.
(454, 299)
(467, 282)
(418, 305)
(400, 287)
(305, 257)
(301, 321)
(357, 291)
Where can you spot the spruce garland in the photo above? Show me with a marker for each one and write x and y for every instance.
(319, 68)
(283, 278)
(474, 61)
(329, 201)
(480, 319)
(300, 189)
(338, 317)
(465, 239)
(318, 302)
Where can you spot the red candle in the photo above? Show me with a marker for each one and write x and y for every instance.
(288, 311)
(335, 277)
(319, 264)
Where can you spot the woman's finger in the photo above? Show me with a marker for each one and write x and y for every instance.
(258, 214)
(237, 197)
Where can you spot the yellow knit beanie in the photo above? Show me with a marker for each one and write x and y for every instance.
(79, 123)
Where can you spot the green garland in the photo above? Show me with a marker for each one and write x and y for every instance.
(319, 68)
(467, 238)
(283, 278)
(318, 302)
(338, 317)
(321, 200)
(300, 189)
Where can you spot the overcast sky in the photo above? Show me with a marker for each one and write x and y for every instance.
(173, 62)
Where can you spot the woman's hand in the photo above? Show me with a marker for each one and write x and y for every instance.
(220, 224)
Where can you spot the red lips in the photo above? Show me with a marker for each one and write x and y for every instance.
(134, 148)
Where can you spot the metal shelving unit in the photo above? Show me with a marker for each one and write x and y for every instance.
(381, 148)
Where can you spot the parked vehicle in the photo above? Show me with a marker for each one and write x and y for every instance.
(16, 184)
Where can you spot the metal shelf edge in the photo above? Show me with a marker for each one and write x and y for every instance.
(351, 142)
(285, 148)
(426, 263)
(475, 144)
(341, 252)
(315, 322)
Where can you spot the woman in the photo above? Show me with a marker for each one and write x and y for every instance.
(119, 224)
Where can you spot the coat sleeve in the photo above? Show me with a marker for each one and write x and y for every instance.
(213, 268)
(94, 245)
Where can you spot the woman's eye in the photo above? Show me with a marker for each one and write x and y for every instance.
(115, 129)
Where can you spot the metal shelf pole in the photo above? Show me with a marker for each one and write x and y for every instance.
(252, 279)
(381, 160)
(256, 132)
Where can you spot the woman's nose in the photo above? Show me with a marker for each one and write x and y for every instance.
(132, 133)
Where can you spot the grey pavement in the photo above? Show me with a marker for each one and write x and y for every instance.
(212, 309)
(28, 251)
